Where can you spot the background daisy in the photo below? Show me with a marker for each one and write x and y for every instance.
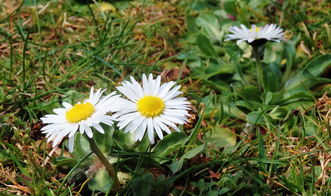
(269, 32)
(81, 116)
(151, 107)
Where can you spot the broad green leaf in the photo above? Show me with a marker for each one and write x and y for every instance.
(209, 24)
(169, 144)
(308, 76)
(212, 193)
(224, 190)
(176, 165)
(193, 152)
(123, 140)
(82, 146)
(249, 105)
(319, 65)
(104, 141)
(142, 185)
(230, 109)
(259, 117)
(297, 94)
(217, 85)
(289, 53)
(220, 137)
(271, 77)
(101, 181)
(250, 93)
(278, 113)
(272, 98)
(205, 46)
(217, 67)
(273, 53)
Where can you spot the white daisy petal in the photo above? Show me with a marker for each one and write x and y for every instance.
(71, 143)
(82, 128)
(73, 128)
(164, 89)
(150, 128)
(145, 85)
(67, 105)
(141, 131)
(162, 125)
(138, 90)
(88, 131)
(98, 128)
(157, 129)
(135, 123)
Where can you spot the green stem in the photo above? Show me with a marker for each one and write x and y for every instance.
(258, 67)
(112, 173)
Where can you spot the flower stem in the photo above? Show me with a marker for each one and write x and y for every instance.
(105, 162)
(259, 69)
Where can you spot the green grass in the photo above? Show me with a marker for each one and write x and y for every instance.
(244, 142)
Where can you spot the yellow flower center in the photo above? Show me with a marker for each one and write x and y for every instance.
(150, 106)
(79, 112)
(257, 29)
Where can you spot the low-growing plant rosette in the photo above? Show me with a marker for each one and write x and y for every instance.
(81, 117)
(151, 107)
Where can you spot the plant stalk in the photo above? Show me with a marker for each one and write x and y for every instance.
(112, 173)
(259, 70)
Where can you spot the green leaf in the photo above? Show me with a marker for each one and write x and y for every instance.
(169, 144)
(250, 93)
(221, 137)
(205, 46)
(190, 22)
(308, 76)
(209, 25)
(3, 156)
(217, 67)
(249, 105)
(230, 109)
(123, 140)
(230, 7)
(289, 53)
(191, 153)
(101, 181)
(217, 84)
(82, 146)
(212, 193)
(273, 52)
(271, 77)
(258, 117)
(142, 185)
(176, 165)
(318, 65)
(65, 162)
(297, 94)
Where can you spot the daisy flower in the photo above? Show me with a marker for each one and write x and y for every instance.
(150, 107)
(256, 35)
(81, 116)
